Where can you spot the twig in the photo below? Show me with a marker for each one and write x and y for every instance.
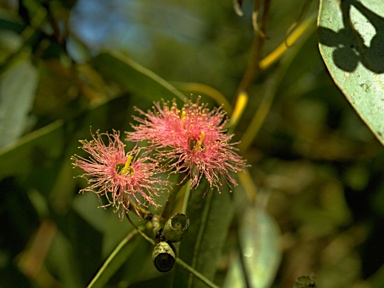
(107, 262)
(253, 67)
(140, 230)
(197, 274)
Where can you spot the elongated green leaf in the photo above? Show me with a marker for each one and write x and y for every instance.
(17, 91)
(259, 243)
(135, 77)
(32, 149)
(352, 46)
(61, 250)
(210, 218)
(259, 240)
(235, 276)
(47, 144)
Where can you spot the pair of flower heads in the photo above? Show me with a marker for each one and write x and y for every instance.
(191, 141)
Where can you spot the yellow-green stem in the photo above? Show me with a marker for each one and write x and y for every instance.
(197, 274)
(276, 54)
(259, 117)
(110, 258)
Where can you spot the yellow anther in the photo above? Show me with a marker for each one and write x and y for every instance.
(202, 136)
(182, 117)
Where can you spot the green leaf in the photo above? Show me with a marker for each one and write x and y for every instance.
(87, 206)
(63, 261)
(135, 78)
(32, 150)
(259, 243)
(351, 41)
(210, 217)
(17, 91)
(43, 147)
(48, 142)
(88, 253)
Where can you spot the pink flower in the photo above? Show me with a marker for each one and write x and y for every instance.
(191, 140)
(126, 180)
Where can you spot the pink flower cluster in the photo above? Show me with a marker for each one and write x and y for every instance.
(191, 141)
(125, 179)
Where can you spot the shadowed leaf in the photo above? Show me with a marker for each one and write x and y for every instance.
(351, 41)
(210, 218)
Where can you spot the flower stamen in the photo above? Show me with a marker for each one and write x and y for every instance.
(200, 142)
(127, 167)
(182, 117)
(175, 135)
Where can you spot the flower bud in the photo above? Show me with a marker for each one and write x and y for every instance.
(176, 227)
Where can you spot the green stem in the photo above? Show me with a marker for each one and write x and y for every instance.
(253, 67)
(106, 271)
(186, 197)
(260, 115)
(298, 33)
(143, 213)
(199, 88)
(139, 231)
(170, 203)
(101, 277)
(272, 86)
(197, 274)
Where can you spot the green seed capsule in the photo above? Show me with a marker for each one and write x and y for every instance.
(163, 256)
(176, 227)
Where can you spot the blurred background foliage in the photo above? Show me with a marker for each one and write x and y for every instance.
(316, 169)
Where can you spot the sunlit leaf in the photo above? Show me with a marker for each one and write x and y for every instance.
(259, 243)
(135, 77)
(351, 42)
(10, 42)
(235, 276)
